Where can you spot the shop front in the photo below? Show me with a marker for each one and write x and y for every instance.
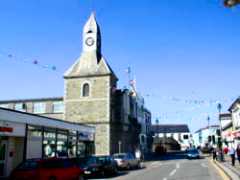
(27, 136)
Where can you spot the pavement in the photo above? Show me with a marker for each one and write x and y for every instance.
(173, 166)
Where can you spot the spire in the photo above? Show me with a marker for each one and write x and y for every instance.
(91, 24)
(91, 62)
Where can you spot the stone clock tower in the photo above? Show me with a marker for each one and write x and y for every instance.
(88, 88)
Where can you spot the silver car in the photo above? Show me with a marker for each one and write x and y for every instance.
(126, 161)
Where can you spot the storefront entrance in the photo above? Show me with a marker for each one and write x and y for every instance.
(3, 150)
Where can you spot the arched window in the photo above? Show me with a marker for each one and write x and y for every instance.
(85, 90)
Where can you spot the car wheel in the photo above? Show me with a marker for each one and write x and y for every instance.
(52, 178)
(80, 177)
(115, 170)
(128, 167)
(103, 173)
(139, 166)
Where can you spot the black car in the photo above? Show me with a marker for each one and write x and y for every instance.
(97, 165)
(108, 164)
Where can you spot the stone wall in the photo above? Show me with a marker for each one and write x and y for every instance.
(92, 110)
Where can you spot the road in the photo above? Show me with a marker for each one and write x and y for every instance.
(172, 167)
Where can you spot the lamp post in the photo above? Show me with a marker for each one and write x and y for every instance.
(157, 123)
(219, 107)
(208, 120)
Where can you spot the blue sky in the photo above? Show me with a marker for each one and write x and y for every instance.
(180, 51)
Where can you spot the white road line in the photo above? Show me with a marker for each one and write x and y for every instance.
(154, 163)
(204, 165)
(164, 178)
(173, 172)
(177, 165)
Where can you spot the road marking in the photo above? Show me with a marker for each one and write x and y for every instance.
(164, 178)
(173, 172)
(204, 165)
(177, 165)
(220, 171)
(154, 163)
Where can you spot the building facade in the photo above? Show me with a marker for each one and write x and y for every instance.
(206, 137)
(234, 109)
(26, 136)
(179, 132)
(226, 128)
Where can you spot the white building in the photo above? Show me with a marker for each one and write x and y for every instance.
(179, 132)
(206, 136)
(26, 136)
(235, 111)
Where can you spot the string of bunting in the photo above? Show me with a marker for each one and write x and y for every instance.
(192, 100)
(35, 62)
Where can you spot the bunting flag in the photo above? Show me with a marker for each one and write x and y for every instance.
(191, 101)
(35, 62)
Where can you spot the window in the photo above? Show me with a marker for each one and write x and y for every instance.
(4, 105)
(185, 136)
(20, 107)
(58, 107)
(85, 90)
(39, 107)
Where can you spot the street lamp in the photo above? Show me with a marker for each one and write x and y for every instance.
(157, 123)
(219, 107)
(208, 120)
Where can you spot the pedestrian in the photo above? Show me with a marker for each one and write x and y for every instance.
(225, 150)
(138, 154)
(232, 154)
(214, 153)
(238, 153)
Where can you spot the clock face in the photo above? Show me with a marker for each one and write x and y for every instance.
(89, 41)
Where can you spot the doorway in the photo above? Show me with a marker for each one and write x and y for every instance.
(3, 150)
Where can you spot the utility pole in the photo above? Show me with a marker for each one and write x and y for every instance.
(208, 120)
(219, 107)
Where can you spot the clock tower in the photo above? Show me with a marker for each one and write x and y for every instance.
(92, 36)
(88, 91)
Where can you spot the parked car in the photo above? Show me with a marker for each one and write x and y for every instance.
(193, 154)
(108, 164)
(90, 166)
(47, 169)
(126, 161)
(97, 165)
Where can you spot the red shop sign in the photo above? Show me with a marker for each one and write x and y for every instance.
(6, 129)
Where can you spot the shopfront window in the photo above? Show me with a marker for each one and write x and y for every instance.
(62, 144)
(81, 149)
(72, 144)
(34, 142)
(49, 143)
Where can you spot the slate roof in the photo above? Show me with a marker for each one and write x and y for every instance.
(207, 127)
(234, 103)
(170, 128)
(31, 99)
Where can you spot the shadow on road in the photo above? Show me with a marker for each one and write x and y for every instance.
(175, 155)
(120, 173)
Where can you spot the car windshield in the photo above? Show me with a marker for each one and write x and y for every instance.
(119, 156)
(193, 151)
(28, 165)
